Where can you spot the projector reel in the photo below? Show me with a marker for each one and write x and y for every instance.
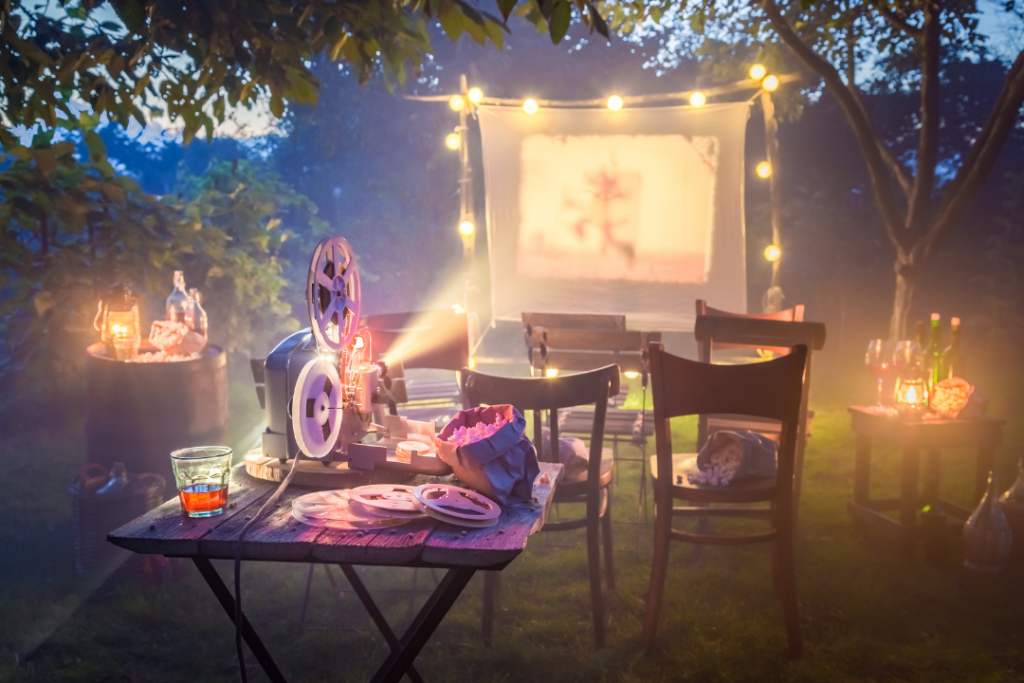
(316, 408)
(333, 294)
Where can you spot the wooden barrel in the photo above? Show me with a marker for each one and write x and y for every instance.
(137, 413)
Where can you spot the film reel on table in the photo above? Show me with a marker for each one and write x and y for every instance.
(335, 510)
(392, 499)
(458, 506)
(333, 294)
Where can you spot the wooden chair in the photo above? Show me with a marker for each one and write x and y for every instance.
(772, 389)
(548, 395)
(715, 332)
(793, 315)
(427, 340)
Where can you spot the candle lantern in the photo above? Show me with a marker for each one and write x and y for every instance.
(911, 397)
(117, 321)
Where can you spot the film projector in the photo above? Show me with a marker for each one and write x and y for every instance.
(322, 392)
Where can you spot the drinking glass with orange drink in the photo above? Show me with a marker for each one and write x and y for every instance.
(202, 475)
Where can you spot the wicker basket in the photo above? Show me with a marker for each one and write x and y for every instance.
(93, 516)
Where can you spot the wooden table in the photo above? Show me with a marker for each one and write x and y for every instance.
(914, 436)
(166, 530)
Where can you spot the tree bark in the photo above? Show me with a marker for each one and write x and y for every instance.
(906, 287)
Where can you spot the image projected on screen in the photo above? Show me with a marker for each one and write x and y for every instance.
(617, 207)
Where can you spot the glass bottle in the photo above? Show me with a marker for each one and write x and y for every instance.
(118, 480)
(933, 357)
(177, 302)
(952, 364)
(196, 317)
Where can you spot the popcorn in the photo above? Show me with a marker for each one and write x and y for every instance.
(725, 461)
(463, 436)
(176, 338)
(163, 357)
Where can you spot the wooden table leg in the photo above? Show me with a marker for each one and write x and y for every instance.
(227, 601)
(428, 619)
(986, 458)
(908, 495)
(378, 617)
(931, 477)
(861, 477)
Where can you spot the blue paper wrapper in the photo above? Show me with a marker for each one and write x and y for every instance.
(502, 466)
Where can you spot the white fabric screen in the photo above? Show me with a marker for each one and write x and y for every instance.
(636, 212)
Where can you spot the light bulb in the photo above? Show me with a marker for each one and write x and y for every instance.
(466, 228)
(772, 253)
(551, 372)
(457, 103)
(770, 83)
(631, 374)
(475, 95)
(530, 106)
(615, 103)
(459, 310)
(453, 141)
(472, 363)
(757, 72)
(698, 99)
(764, 170)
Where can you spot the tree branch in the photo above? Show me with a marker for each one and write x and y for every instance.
(928, 140)
(859, 120)
(898, 171)
(982, 155)
(896, 20)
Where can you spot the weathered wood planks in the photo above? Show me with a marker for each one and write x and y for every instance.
(279, 537)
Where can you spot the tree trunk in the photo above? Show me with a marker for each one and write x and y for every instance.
(906, 286)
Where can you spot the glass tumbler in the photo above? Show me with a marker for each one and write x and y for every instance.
(202, 475)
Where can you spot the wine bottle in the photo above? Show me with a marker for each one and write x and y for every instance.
(933, 356)
(197, 319)
(952, 364)
(177, 302)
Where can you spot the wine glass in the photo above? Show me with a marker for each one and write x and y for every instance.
(879, 363)
(907, 358)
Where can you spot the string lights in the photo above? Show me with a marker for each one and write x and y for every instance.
(763, 170)
(772, 253)
(475, 95)
(530, 106)
(770, 83)
(614, 103)
(453, 141)
(698, 99)
(757, 72)
(457, 103)
(466, 228)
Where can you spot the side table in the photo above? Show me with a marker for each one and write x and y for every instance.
(914, 436)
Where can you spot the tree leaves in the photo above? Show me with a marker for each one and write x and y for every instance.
(558, 22)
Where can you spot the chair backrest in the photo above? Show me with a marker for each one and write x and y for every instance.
(579, 342)
(772, 389)
(795, 314)
(547, 395)
(713, 332)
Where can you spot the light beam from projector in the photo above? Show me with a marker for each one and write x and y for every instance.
(422, 335)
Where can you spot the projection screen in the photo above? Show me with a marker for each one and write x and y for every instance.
(636, 212)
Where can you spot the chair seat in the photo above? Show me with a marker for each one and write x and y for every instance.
(744, 491)
(577, 486)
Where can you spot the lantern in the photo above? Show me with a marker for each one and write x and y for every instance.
(117, 320)
(911, 396)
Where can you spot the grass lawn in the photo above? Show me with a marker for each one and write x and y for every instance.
(867, 613)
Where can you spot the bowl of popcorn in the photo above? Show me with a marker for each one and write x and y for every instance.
(473, 437)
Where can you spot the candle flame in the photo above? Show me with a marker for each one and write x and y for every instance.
(911, 395)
